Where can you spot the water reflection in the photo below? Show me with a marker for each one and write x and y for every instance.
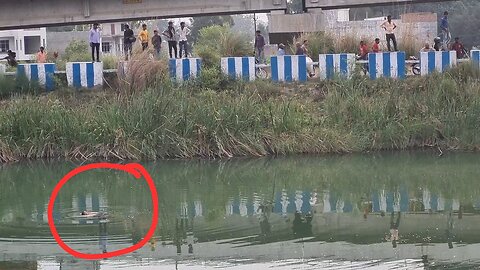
(343, 209)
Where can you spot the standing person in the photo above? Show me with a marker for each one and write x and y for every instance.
(170, 34)
(42, 55)
(427, 48)
(299, 50)
(259, 47)
(183, 32)
(143, 37)
(95, 41)
(390, 27)
(363, 55)
(444, 26)
(281, 49)
(128, 40)
(459, 48)
(157, 43)
(376, 46)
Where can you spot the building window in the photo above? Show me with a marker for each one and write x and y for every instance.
(106, 47)
(4, 46)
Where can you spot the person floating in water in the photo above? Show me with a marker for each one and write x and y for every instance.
(90, 214)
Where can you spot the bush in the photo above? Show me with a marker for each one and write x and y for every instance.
(318, 43)
(109, 61)
(219, 41)
(77, 51)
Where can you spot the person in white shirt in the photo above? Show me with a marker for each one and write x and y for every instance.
(390, 27)
(183, 32)
(95, 41)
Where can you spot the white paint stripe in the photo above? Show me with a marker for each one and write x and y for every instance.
(424, 63)
(179, 70)
(28, 72)
(89, 202)
(453, 58)
(438, 61)
(98, 73)
(379, 64)
(238, 67)
(281, 68)
(251, 61)
(295, 71)
(83, 74)
(394, 65)
(41, 74)
(193, 67)
(322, 65)
(224, 65)
(351, 63)
(336, 64)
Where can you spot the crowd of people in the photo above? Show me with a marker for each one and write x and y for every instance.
(440, 43)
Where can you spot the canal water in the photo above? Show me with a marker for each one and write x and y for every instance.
(409, 210)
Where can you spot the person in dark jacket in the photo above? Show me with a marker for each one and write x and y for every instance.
(128, 40)
(259, 47)
(157, 43)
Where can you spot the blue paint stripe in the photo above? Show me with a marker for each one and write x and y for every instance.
(186, 69)
(445, 60)
(387, 64)
(21, 70)
(232, 73)
(302, 68)
(431, 62)
(173, 68)
(330, 66)
(246, 68)
(199, 67)
(90, 75)
(476, 58)
(389, 200)
(404, 200)
(288, 69)
(344, 65)
(372, 66)
(34, 73)
(77, 82)
(274, 64)
(402, 71)
(49, 80)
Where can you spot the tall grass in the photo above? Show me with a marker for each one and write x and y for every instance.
(246, 119)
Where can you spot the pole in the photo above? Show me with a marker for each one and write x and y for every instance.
(255, 21)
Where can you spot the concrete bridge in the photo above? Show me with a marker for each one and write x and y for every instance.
(18, 14)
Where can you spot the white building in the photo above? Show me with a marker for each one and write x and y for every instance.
(25, 43)
(112, 38)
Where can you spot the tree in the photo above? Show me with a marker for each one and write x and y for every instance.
(200, 22)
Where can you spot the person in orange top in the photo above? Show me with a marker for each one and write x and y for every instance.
(143, 37)
(376, 46)
(42, 55)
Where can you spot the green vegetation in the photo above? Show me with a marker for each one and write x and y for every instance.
(217, 118)
(217, 41)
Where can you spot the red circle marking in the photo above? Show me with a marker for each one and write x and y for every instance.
(134, 169)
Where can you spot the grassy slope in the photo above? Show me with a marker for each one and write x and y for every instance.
(219, 119)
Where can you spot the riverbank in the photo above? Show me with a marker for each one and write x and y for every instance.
(221, 119)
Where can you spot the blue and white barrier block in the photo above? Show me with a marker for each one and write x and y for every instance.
(84, 74)
(41, 73)
(239, 67)
(289, 68)
(185, 69)
(331, 65)
(475, 55)
(387, 64)
(437, 61)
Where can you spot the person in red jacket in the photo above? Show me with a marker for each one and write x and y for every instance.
(459, 48)
(376, 46)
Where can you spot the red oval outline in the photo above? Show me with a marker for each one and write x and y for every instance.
(134, 169)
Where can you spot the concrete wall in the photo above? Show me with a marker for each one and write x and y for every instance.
(29, 13)
(412, 28)
(335, 4)
(20, 40)
(58, 41)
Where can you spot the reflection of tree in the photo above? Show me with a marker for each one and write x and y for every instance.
(103, 234)
(449, 230)
(265, 226)
(394, 225)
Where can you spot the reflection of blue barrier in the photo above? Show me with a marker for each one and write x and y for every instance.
(475, 55)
